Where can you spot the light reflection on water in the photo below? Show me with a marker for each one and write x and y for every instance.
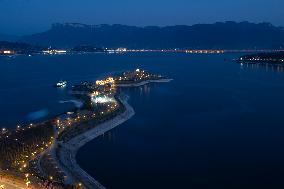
(267, 67)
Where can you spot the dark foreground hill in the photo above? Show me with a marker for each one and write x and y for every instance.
(228, 35)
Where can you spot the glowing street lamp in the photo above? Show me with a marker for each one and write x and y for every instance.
(28, 183)
(27, 179)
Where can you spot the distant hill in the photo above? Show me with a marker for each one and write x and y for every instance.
(227, 35)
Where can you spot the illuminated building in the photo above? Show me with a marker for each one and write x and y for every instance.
(7, 52)
(109, 80)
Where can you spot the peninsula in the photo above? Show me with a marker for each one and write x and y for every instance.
(44, 155)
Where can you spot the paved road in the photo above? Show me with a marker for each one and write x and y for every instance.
(68, 151)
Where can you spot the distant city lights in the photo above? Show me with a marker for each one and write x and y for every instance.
(121, 50)
(54, 51)
(7, 52)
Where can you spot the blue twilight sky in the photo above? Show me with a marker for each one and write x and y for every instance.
(29, 16)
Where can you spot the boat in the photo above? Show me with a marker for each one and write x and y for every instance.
(61, 84)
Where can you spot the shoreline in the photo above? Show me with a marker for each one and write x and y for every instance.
(65, 155)
(144, 83)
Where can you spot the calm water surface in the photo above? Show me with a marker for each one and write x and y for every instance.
(217, 125)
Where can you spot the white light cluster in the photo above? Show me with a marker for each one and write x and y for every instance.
(102, 100)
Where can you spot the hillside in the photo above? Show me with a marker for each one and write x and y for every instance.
(227, 35)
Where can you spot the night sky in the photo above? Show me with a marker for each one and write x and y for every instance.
(29, 16)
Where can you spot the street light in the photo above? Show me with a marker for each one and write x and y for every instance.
(27, 183)
(27, 179)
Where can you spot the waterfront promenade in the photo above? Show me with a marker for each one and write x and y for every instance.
(66, 154)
